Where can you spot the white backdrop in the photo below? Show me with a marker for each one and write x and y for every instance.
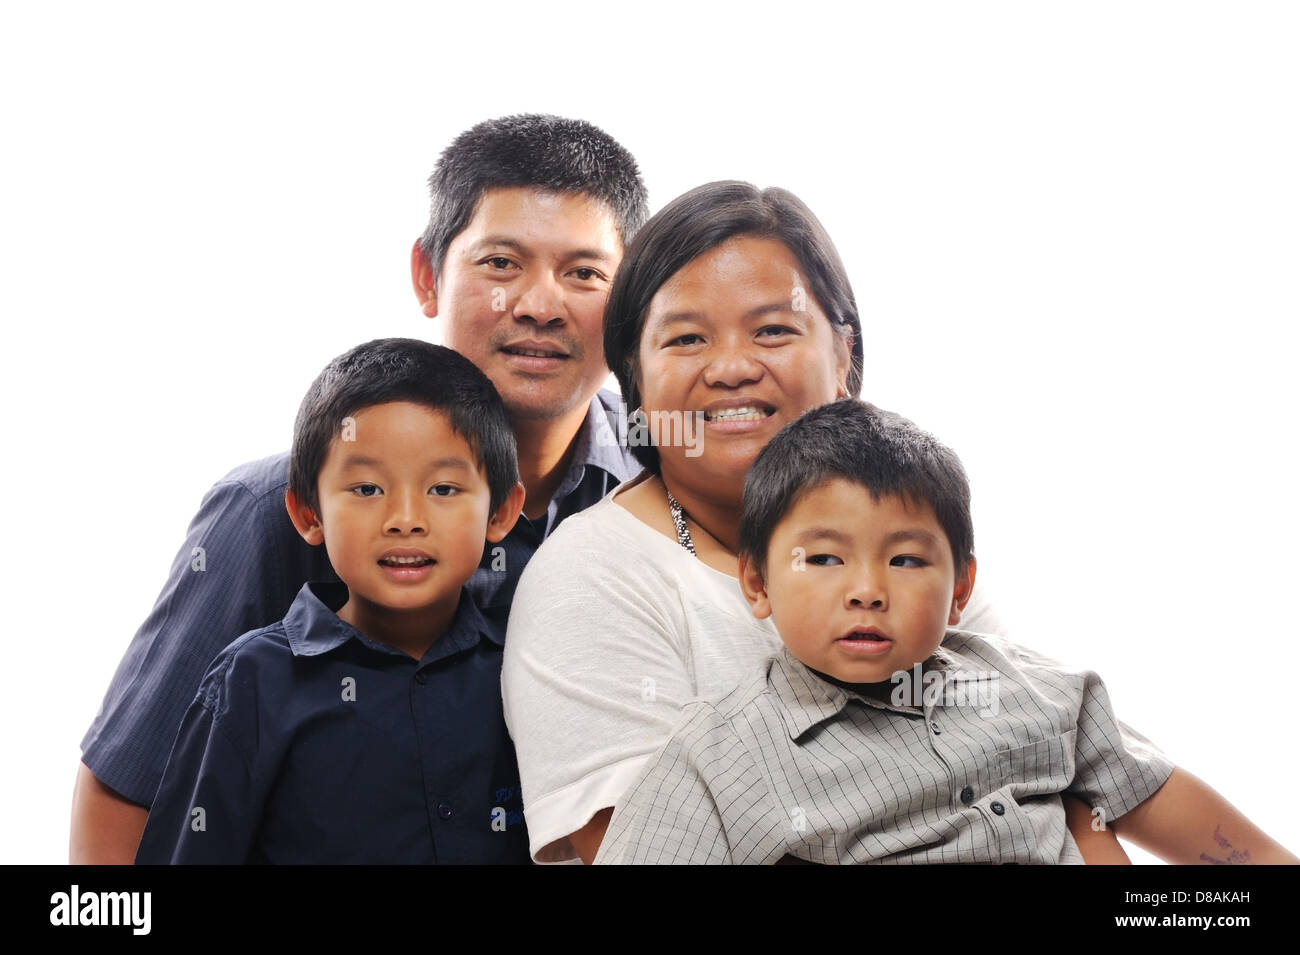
(1072, 230)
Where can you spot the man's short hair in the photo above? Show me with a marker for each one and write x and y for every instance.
(878, 450)
(690, 226)
(533, 151)
(403, 369)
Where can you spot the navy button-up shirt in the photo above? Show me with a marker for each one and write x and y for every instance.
(240, 568)
(311, 743)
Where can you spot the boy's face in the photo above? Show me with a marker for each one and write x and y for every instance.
(858, 588)
(404, 511)
(522, 292)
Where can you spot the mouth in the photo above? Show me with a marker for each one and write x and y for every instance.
(534, 350)
(866, 640)
(421, 561)
(745, 412)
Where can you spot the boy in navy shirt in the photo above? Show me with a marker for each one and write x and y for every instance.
(366, 726)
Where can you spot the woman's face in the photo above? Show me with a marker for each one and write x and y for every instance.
(737, 345)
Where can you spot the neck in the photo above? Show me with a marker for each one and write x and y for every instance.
(717, 513)
(545, 452)
(411, 631)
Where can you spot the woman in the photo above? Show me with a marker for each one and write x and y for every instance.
(731, 312)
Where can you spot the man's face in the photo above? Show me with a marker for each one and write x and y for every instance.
(859, 588)
(522, 293)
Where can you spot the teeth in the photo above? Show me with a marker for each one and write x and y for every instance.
(746, 413)
(533, 353)
(405, 560)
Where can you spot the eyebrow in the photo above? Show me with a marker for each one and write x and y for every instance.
(360, 461)
(917, 534)
(809, 534)
(758, 311)
(501, 241)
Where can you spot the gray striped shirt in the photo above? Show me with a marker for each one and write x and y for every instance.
(966, 763)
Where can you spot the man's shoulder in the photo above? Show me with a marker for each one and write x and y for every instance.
(269, 475)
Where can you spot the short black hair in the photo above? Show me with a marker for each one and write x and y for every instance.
(879, 450)
(690, 226)
(403, 369)
(536, 151)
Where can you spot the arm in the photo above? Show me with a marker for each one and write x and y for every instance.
(239, 569)
(1097, 843)
(1185, 822)
(106, 827)
(586, 841)
(209, 804)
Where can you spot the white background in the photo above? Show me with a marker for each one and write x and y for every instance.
(1072, 229)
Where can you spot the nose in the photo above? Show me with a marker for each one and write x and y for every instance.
(541, 300)
(733, 362)
(405, 514)
(867, 592)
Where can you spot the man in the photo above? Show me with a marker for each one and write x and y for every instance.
(528, 222)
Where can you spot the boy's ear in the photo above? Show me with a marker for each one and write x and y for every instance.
(961, 592)
(755, 590)
(304, 519)
(499, 524)
(424, 281)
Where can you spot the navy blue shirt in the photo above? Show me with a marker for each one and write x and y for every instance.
(240, 568)
(311, 743)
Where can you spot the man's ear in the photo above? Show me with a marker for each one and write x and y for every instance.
(755, 590)
(499, 524)
(424, 281)
(961, 592)
(304, 519)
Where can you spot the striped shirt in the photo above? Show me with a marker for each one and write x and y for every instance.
(966, 763)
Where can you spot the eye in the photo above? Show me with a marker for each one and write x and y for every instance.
(366, 490)
(688, 339)
(444, 490)
(907, 560)
(499, 262)
(775, 331)
(585, 274)
(824, 560)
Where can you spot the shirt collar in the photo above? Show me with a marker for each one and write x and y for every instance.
(807, 699)
(313, 626)
(600, 445)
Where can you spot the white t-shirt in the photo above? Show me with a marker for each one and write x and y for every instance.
(613, 629)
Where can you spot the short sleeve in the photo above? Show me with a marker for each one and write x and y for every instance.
(594, 678)
(239, 569)
(208, 806)
(1116, 768)
(700, 800)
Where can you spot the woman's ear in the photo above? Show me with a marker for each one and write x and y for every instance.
(304, 519)
(755, 590)
(500, 523)
(844, 359)
(961, 592)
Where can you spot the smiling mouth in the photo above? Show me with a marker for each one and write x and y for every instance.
(533, 352)
(406, 561)
(743, 413)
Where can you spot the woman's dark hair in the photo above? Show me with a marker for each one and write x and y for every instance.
(690, 226)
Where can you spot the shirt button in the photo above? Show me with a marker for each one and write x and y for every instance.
(998, 808)
(934, 725)
(421, 679)
(444, 810)
(967, 795)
